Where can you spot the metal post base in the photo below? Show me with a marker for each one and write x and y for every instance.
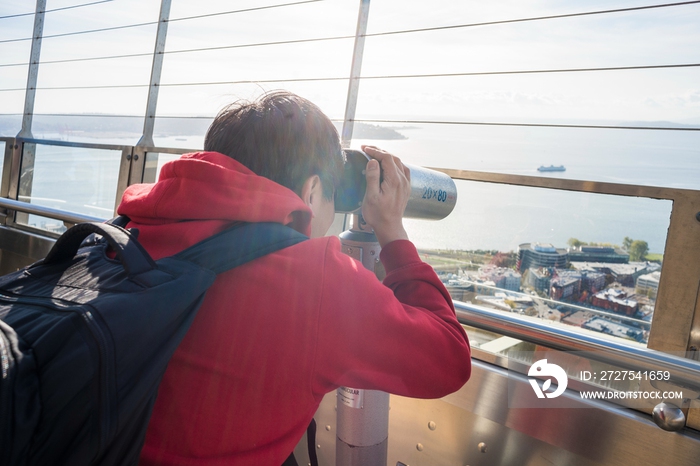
(348, 455)
(363, 427)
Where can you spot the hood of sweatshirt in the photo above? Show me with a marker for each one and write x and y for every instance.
(209, 191)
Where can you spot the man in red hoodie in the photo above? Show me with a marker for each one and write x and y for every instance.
(275, 335)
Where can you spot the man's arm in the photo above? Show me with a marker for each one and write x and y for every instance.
(401, 336)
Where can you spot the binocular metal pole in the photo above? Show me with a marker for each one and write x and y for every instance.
(363, 415)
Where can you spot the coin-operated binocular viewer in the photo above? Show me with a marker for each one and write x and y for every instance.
(363, 415)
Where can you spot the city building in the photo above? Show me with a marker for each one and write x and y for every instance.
(511, 280)
(539, 279)
(616, 301)
(534, 255)
(600, 324)
(625, 274)
(578, 318)
(648, 285)
(598, 254)
(592, 282)
(566, 284)
(502, 277)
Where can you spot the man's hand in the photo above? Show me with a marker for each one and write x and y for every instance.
(387, 194)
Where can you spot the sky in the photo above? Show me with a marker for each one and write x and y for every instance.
(659, 36)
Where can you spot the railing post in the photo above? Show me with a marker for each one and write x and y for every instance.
(137, 158)
(157, 66)
(355, 71)
(34, 57)
(28, 151)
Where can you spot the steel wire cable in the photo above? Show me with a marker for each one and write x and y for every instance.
(340, 78)
(150, 23)
(69, 60)
(530, 125)
(55, 9)
(320, 39)
(208, 15)
(536, 18)
(414, 122)
(439, 28)
(75, 33)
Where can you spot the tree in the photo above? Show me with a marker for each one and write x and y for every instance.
(574, 243)
(638, 250)
(504, 259)
(627, 243)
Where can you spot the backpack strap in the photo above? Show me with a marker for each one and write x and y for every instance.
(132, 255)
(218, 253)
(240, 244)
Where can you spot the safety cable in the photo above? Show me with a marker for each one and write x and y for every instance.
(202, 49)
(537, 18)
(403, 122)
(68, 60)
(437, 28)
(150, 23)
(439, 75)
(322, 39)
(562, 70)
(55, 9)
(341, 78)
(75, 33)
(208, 15)
(531, 125)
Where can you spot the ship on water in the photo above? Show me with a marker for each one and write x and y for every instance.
(552, 168)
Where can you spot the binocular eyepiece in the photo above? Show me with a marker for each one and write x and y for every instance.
(433, 194)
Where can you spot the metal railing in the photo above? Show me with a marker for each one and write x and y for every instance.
(57, 214)
(682, 370)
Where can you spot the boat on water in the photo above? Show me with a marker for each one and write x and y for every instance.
(552, 168)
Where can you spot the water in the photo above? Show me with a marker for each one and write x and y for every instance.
(491, 216)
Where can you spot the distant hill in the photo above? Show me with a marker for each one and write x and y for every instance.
(369, 131)
(657, 124)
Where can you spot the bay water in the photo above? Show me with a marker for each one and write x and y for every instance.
(487, 216)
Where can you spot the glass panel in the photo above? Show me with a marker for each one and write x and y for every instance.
(79, 180)
(632, 38)
(651, 158)
(154, 164)
(10, 125)
(181, 132)
(99, 129)
(188, 133)
(590, 261)
(441, 81)
(93, 108)
(228, 63)
(90, 74)
(14, 62)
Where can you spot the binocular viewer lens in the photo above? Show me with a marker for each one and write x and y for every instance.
(433, 194)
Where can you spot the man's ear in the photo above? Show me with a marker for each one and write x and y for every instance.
(311, 190)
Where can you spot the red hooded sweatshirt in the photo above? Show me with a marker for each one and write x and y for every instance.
(273, 336)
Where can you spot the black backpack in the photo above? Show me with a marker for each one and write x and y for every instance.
(85, 339)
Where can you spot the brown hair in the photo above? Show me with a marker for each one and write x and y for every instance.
(280, 136)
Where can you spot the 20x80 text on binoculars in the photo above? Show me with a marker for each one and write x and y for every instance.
(433, 194)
